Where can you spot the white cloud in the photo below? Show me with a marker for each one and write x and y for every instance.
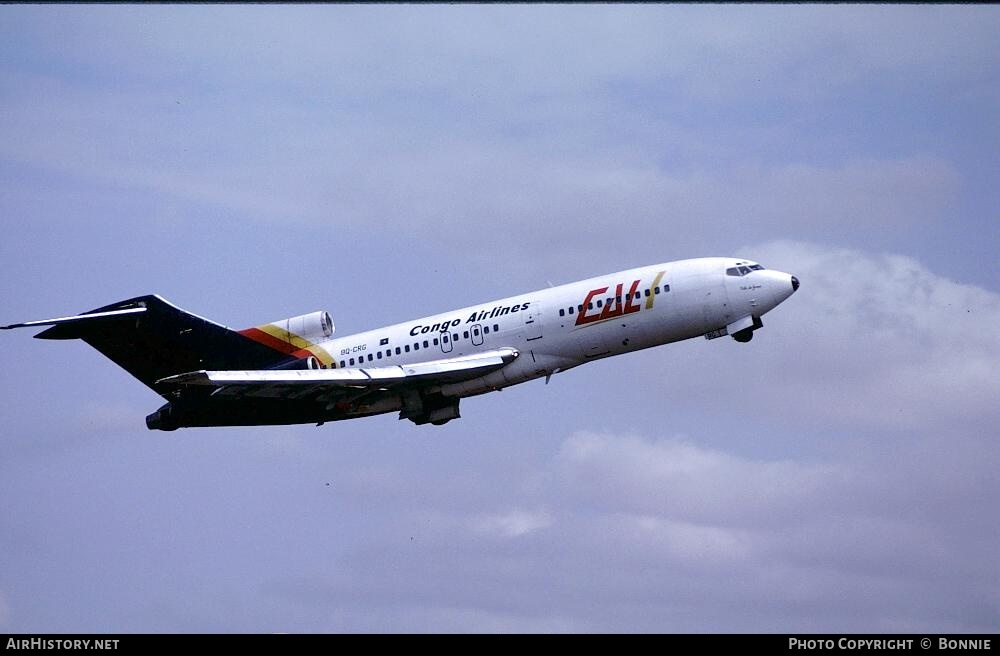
(868, 342)
(880, 340)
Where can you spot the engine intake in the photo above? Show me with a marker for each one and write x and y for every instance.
(315, 326)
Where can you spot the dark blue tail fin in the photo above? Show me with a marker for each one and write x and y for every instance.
(152, 339)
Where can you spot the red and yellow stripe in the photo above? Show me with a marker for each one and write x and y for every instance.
(279, 339)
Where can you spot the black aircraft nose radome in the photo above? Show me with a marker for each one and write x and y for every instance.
(795, 284)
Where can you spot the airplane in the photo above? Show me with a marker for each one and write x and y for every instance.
(295, 371)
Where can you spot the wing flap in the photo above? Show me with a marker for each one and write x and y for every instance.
(300, 382)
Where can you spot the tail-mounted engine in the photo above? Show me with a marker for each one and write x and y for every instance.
(298, 332)
(313, 327)
(297, 337)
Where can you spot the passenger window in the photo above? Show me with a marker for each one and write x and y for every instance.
(445, 337)
(562, 312)
(407, 347)
(435, 341)
(656, 290)
(426, 344)
(647, 292)
(666, 288)
(370, 357)
(496, 327)
(342, 364)
(579, 308)
(486, 330)
(397, 350)
(455, 337)
(466, 334)
(416, 347)
(599, 303)
(352, 362)
(571, 310)
(379, 355)
(388, 353)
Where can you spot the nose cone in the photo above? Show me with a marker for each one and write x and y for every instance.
(782, 285)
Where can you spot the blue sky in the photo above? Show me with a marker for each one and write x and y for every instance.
(385, 162)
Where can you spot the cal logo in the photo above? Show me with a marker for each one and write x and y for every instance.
(615, 307)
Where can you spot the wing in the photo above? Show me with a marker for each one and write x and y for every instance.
(303, 383)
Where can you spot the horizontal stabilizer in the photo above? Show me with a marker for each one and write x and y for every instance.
(78, 319)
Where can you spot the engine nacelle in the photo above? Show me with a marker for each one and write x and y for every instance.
(162, 419)
(313, 327)
(316, 326)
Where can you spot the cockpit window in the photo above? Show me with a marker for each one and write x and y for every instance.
(743, 269)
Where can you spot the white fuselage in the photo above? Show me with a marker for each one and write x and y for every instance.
(562, 327)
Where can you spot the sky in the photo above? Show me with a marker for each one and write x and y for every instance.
(385, 162)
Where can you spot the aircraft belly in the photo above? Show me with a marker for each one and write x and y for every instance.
(529, 365)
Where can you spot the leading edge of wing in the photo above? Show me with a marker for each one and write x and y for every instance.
(443, 371)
